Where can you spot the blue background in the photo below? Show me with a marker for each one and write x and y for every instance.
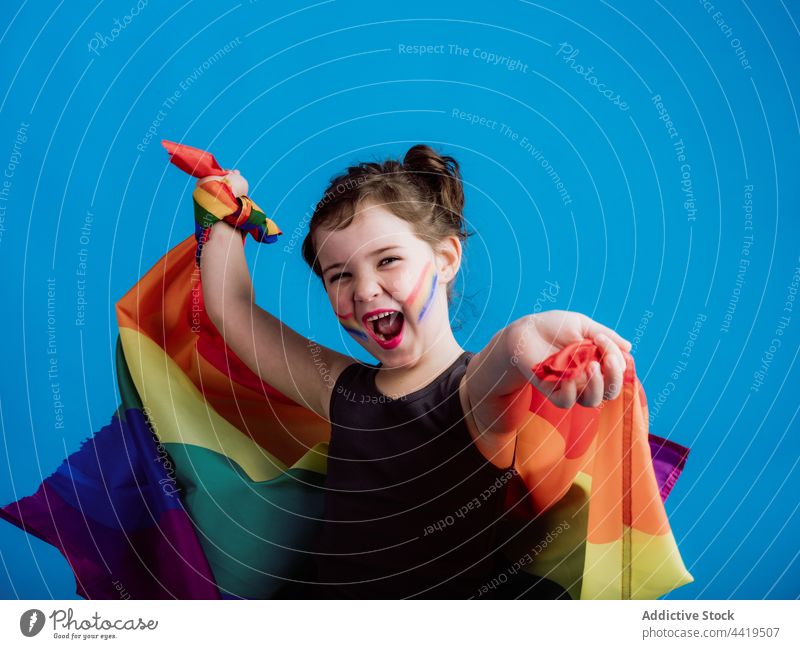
(307, 89)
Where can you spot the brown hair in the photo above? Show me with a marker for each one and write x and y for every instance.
(424, 189)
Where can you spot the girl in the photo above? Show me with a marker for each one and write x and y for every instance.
(423, 443)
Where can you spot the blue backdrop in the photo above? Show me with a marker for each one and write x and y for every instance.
(637, 162)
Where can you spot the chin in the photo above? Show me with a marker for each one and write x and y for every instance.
(401, 357)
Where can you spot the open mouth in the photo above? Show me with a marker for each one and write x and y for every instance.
(385, 326)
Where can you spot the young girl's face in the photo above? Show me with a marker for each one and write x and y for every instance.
(386, 285)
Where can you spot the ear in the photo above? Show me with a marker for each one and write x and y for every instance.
(448, 258)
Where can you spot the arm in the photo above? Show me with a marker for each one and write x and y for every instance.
(223, 267)
(495, 398)
(283, 358)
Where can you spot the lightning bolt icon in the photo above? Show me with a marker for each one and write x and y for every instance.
(32, 621)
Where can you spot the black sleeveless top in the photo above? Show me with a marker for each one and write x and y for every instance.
(410, 502)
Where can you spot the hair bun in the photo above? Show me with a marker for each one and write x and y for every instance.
(440, 174)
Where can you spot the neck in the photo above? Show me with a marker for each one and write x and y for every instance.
(438, 356)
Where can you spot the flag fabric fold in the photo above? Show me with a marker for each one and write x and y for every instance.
(592, 483)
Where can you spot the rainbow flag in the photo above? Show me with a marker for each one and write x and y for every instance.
(587, 510)
(208, 482)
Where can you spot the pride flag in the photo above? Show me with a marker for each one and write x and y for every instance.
(208, 482)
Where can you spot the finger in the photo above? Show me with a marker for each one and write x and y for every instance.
(592, 393)
(554, 393)
(595, 329)
(546, 388)
(564, 397)
(613, 367)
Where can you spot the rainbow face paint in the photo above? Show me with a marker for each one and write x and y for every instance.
(419, 302)
(351, 325)
(421, 296)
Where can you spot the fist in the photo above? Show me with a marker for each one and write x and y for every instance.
(237, 182)
(541, 335)
(233, 179)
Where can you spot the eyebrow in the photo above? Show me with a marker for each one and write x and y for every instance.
(372, 254)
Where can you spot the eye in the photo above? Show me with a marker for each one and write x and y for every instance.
(334, 278)
(337, 276)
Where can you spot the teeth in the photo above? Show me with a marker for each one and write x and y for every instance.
(379, 315)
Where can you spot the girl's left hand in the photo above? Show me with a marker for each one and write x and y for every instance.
(238, 183)
(538, 336)
(233, 178)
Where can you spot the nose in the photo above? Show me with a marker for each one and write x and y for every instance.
(366, 289)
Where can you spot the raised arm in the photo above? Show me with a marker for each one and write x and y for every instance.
(291, 363)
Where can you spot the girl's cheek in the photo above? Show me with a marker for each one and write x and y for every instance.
(419, 300)
(340, 304)
(400, 286)
(343, 308)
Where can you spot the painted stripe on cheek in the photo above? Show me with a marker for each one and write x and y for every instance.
(429, 299)
(418, 286)
(421, 295)
(351, 325)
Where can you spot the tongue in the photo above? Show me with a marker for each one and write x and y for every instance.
(390, 326)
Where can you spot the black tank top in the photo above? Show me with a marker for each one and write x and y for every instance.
(410, 502)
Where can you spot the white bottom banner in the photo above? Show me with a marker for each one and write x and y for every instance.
(304, 624)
